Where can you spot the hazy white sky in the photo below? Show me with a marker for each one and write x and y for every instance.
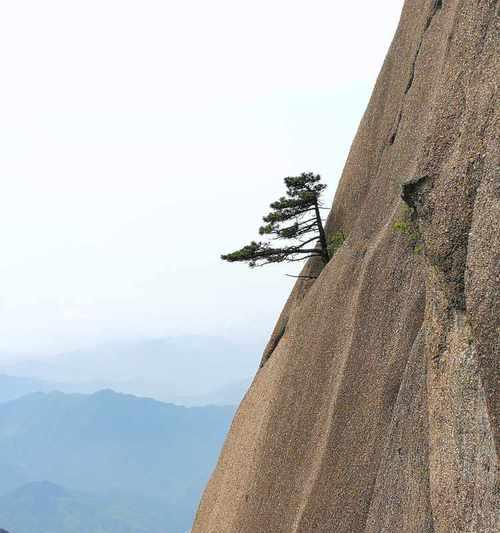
(141, 139)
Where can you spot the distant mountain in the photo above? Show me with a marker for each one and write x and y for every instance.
(44, 507)
(230, 394)
(14, 387)
(111, 443)
(167, 369)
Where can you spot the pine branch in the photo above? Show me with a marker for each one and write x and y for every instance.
(302, 197)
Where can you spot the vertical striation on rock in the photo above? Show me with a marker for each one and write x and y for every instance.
(376, 405)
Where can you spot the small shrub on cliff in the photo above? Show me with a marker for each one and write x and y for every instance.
(295, 218)
(407, 226)
(335, 242)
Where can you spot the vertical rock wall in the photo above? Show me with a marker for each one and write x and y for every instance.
(376, 407)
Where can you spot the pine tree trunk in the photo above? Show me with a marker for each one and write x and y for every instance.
(322, 237)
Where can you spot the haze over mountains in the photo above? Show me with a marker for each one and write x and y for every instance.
(106, 463)
(189, 370)
(43, 507)
(78, 457)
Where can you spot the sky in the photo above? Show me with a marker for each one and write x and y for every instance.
(139, 140)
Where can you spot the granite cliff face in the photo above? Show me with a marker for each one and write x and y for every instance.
(376, 406)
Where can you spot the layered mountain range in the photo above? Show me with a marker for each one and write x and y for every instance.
(104, 463)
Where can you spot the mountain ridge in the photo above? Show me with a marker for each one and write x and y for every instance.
(39, 507)
(100, 451)
(173, 369)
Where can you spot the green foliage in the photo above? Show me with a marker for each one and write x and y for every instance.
(294, 217)
(250, 253)
(335, 242)
(408, 227)
(402, 227)
(418, 249)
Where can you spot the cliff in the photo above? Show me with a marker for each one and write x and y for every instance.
(376, 406)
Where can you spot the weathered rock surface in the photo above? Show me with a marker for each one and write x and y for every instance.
(376, 408)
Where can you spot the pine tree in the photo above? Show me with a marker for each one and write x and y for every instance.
(295, 217)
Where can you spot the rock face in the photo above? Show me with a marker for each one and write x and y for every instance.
(376, 407)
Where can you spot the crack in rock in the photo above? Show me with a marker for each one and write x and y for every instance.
(436, 6)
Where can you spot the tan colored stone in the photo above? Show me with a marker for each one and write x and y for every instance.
(376, 409)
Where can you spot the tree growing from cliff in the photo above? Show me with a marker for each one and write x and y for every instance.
(295, 219)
